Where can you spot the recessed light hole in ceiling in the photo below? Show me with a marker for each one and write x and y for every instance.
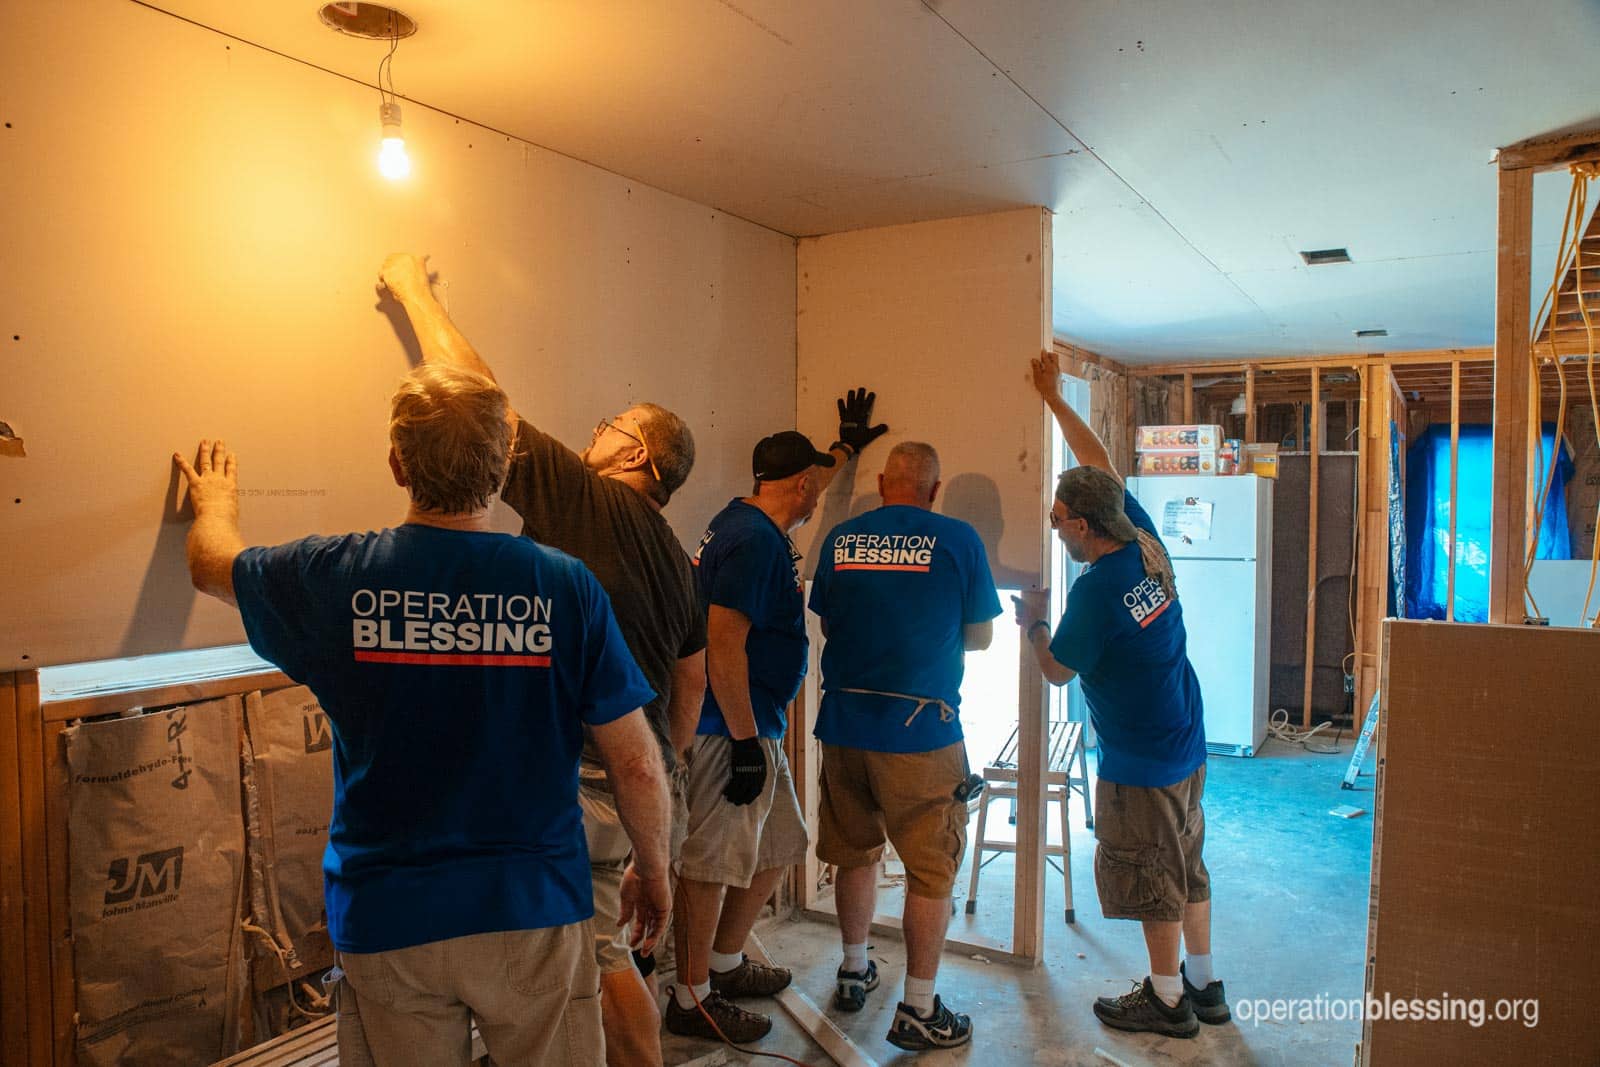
(373, 21)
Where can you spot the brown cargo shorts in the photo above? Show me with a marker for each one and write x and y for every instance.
(1148, 863)
(906, 797)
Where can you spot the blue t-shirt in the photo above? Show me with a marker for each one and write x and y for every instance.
(457, 670)
(1125, 638)
(746, 563)
(895, 586)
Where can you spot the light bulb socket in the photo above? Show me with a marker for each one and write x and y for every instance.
(389, 118)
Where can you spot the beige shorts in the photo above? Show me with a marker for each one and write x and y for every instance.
(1148, 863)
(728, 844)
(906, 797)
(609, 851)
(534, 993)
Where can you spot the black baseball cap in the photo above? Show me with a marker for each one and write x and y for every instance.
(784, 455)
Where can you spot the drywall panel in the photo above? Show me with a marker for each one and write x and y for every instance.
(940, 318)
(1485, 848)
(192, 234)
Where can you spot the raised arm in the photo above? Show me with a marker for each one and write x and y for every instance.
(214, 540)
(1087, 448)
(855, 433)
(406, 278)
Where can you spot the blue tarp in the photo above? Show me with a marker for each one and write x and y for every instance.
(1428, 521)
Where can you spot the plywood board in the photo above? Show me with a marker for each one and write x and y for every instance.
(940, 318)
(1486, 849)
(191, 250)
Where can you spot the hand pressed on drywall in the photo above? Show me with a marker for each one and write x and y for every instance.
(1046, 371)
(1026, 616)
(404, 274)
(212, 479)
(643, 907)
(855, 421)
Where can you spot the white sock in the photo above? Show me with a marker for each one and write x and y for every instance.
(1169, 987)
(723, 962)
(855, 957)
(686, 999)
(1198, 970)
(919, 995)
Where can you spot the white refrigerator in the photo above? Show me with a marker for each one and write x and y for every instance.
(1218, 531)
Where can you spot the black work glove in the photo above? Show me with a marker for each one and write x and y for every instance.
(747, 774)
(855, 413)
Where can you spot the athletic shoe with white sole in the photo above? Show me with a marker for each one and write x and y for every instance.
(851, 987)
(1210, 1004)
(943, 1029)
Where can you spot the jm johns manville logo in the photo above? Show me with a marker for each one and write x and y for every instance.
(319, 735)
(145, 881)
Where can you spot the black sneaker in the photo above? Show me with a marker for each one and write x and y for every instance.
(736, 1024)
(1143, 1012)
(943, 1029)
(1210, 1004)
(751, 979)
(851, 987)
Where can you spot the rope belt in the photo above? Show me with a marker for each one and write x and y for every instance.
(946, 712)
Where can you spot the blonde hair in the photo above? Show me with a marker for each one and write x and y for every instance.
(449, 431)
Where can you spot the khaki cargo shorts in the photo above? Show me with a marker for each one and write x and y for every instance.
(906, 797)
(1148, 864)
(534, 993)
(609, 852)
(728, 844)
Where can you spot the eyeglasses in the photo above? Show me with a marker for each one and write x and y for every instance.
(1057, 521)
(605, 424)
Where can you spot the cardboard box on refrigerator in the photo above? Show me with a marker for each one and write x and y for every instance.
(1179, 438)
(1260, 459)
(1187, 462)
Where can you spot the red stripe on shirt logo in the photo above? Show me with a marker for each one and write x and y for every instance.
(882, 567)
(1154, 615)
(449, 659)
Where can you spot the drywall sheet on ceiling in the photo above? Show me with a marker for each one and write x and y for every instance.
(940, 318)
(194, 229)
(1486, 846)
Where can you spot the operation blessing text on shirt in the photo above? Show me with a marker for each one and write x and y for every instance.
(512, 629)
(856, 551)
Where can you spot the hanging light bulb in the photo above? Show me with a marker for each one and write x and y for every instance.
(393, 163)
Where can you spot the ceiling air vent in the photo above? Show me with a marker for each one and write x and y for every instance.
(1372, 333)
(1318, 256)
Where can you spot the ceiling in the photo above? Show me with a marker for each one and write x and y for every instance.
(1189, 150)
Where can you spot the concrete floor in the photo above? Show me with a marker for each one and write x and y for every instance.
(1290, 889)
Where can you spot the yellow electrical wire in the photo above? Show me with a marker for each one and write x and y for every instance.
(1582, 172)
(1568, 257)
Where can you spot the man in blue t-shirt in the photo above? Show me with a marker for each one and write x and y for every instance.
(1122, 636)
(902, 594)
(745, 826)
(458, 668)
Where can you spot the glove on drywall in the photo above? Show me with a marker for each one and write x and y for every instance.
(855, 417)
(747, 773)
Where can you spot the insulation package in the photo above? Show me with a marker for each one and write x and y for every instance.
(292, 746)
(156, 843)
